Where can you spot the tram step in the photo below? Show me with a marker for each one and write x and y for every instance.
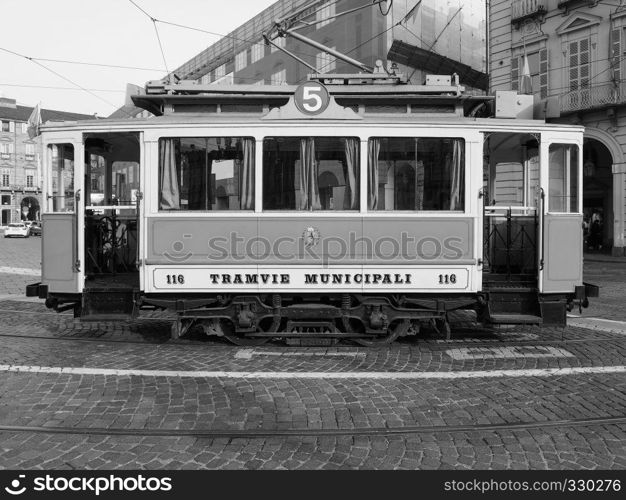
(515, 319)
(108, 305)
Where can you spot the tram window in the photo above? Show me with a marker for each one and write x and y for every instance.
(206, 173)
(97, 178)
(416, 174)
(311, 173)
(61, 182)
(563, 184)
(125, 182)
(508, 184)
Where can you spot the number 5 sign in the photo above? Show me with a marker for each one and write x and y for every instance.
(311, 98)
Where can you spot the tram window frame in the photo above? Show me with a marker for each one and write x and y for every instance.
(62, 173)
(332, 165)
(567, 180)
(180, 175)
(374, 197)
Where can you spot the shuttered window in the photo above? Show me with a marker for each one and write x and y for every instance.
(579, 64)
(543, 73)
(615, 54)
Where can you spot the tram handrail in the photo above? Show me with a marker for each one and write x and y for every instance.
(504, 210)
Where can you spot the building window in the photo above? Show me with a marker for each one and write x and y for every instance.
(24, 128)
(30, 151)
(241, 60)
(6, 148)
(5, 126)
(6, 180)
(280, 41)
(220, 72)
(325, 63)
(323, 15)
(579, 64)
(279, 78)
(258, 51)
(538, 66)
(29, 181)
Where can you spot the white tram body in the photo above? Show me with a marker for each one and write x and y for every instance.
(327, 211)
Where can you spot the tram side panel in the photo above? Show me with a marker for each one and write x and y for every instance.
(204, 255)
(59, 271)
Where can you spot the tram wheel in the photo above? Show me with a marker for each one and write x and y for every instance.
(395, 330)
(180, 327)
(241, 339)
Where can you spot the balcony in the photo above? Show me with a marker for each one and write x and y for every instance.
(568, 4)
(597, 96)
(526, 9)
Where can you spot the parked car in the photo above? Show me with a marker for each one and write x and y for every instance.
(17, 229)
(35, 228)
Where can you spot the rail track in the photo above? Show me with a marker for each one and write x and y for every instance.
(432, 341)
(360, 431)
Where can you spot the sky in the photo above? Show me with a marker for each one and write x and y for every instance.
(111, 32)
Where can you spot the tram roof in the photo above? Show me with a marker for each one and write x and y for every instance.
(189, 104)
(197, 119)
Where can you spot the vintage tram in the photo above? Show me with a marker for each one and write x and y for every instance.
(351, 206)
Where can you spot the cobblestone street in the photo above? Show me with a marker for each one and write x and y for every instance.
(123, 395)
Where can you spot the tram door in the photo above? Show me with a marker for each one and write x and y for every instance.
(61, 262)
(562, 246)
(511, 218)
(111, 224)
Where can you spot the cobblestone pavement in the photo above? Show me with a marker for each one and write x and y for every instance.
(31, 336)
(611, 277)
(521, 410)
(20, 263)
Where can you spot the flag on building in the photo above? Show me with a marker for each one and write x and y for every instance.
(34, 121)
(526, 81)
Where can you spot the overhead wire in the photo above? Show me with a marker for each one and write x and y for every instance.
(84, 63)
(380, 7)
(156, 30)
(55, 88)
(61, 76)
(432, 45)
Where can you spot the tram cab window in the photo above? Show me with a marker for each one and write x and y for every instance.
(206, 173)
(416, 174)
(563, 182)
(61, 180)
(311, 173)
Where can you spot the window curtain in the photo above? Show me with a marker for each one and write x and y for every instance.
(419, 179)
(457, 176)
(372, 173)
(246, 176)
(351, 200)
(309, 174)
(170, 193)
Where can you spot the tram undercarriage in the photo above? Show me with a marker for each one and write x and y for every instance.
(368, 320)
(320, 319)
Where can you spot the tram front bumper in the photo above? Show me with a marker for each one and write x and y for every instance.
(37, 290)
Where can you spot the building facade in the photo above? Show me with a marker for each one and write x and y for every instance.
(451, 28)
(21, 161)
(576, 52)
